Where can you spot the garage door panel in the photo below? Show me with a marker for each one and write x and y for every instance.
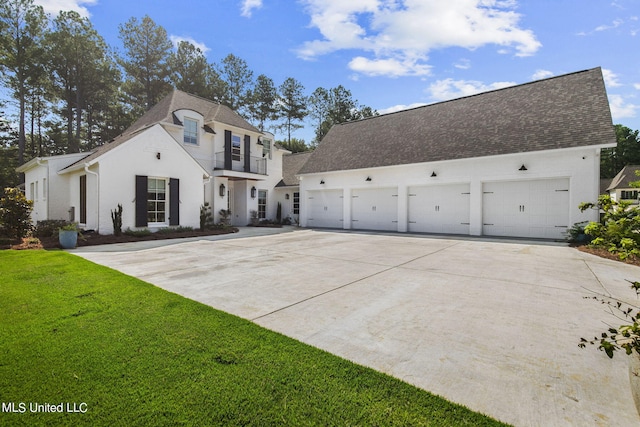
(537, 208)
(375, 209)
(439, 209)
(325, 209)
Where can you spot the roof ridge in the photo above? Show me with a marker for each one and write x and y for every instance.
(472, 95)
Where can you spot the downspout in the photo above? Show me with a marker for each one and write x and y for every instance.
(86, 169)
(41, 163)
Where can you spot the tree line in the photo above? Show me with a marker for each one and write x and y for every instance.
(72, 92)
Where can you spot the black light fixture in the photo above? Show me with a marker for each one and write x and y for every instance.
(158, 156)
(286, 196)
(523, 168)
(433, 174)
(222, 190)
(322, 181)
(253, 192)
(368, 179)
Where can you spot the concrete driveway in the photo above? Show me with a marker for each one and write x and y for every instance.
(489, 324)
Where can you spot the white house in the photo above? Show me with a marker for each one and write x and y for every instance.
(510, 162)
(183, 152)
(287, 191)
(619, 188)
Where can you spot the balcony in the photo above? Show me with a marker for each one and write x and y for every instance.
(240, 163)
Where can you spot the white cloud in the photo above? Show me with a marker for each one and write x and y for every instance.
(542, 74)
(614, 24)
(177, 39)
(406, 32)
(620, 108)
(400, 107)
(610, 78)
(443, 90)
(463, 64)
(55, 6)
(388, 67)
(636, 86)
(248, 6)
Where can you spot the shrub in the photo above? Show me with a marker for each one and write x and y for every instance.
(171, 230)
(206, 218)
(619, 229)
(15, 209)
(138, 233)
(116, 219)
(49, 227)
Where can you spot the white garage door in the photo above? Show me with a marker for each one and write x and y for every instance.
(374, 209)
(537, 208)
(439, 209)
(325, 209)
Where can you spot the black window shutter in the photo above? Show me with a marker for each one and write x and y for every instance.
(247, 152)
(227, 150)
(141, 201)
(174, 201)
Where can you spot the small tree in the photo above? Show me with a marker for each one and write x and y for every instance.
(15, 209)
(206, 218)
(116, 219)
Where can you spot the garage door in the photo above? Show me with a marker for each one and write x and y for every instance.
(375, 209)
(439, 209)
(537, 208)
(325, 209)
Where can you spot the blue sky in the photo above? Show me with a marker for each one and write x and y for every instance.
(394, 54)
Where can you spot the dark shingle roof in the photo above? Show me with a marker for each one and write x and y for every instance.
(291, 165)
(625, 177)
(561, 112)
(163, 112)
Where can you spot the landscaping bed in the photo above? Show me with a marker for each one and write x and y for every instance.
(92, 238)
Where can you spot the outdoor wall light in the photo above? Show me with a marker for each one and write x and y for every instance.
(286, 196)
(158, 156)
(322, 181)
(368, 179)
(523, 168)
(222, 190)
(253, 192)
(433, 174)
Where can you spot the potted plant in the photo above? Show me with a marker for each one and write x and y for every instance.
(626, 337)
(68, 236)
(254, 217)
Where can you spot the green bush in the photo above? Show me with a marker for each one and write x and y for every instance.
(138, 233)
(49, 227)
(206, 218)
(171, 230)
(116, 220)
(15, 211)
(619, 229)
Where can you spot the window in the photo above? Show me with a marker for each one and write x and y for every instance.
(629, 194)
(44, 188)
(235, 147)
(156, 200)
(36, 191)
(190, 131)
(296, 203)
(266, 148)
(262, 204)
(32, 191)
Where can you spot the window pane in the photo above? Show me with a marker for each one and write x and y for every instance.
(190, 131)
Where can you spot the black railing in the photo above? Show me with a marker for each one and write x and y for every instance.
(256, 165)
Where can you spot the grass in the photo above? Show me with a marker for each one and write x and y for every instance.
(75, 332)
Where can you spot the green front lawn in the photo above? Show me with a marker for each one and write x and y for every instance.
(127, 353)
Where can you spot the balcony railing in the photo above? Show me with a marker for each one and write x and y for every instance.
(257, 165)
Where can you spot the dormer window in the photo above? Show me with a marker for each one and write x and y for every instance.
(190, 131)
(266, 148)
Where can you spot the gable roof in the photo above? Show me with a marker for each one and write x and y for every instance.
(560, 112)
(625, 177)
(291, 165)
(163, 112)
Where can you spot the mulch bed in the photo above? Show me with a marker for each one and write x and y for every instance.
(603, 253)
(91, 239)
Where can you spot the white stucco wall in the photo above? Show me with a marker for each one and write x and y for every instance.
(581, 166)
(118, 168)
